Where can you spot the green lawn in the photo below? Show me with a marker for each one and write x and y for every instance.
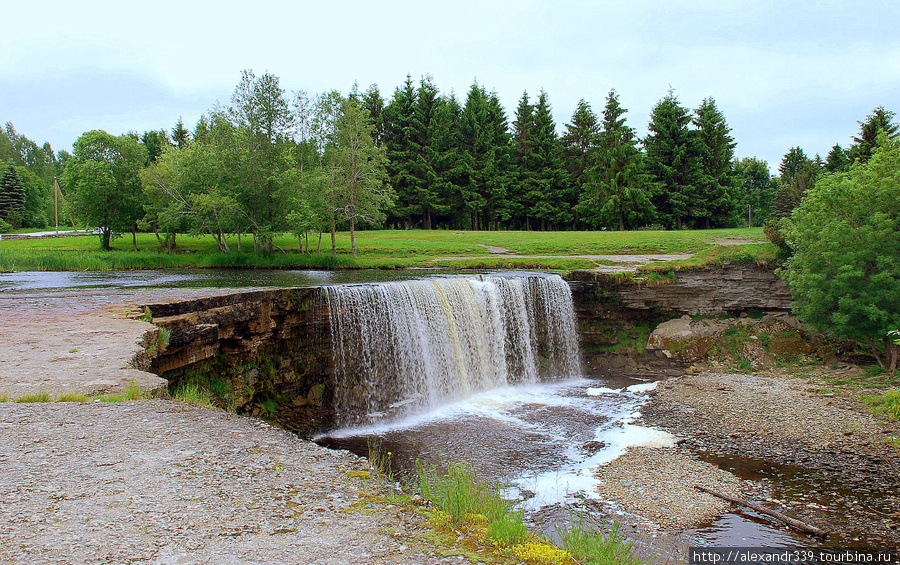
(377, 249)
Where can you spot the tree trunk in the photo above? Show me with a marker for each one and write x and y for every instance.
(134, 235)
(353, 236)
(239, 241)
(621, 221)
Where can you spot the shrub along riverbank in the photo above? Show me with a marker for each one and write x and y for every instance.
(386, 249)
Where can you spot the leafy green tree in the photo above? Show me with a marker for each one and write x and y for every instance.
(264, 126)
(880, 120)
(672, 160)
(37, 199)
(188, 190)
(756, 189)
(713, 204)
(359, 171)
(104, 185)
(845, 271)
(618, 189)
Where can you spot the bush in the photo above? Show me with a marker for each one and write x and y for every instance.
(845, 271)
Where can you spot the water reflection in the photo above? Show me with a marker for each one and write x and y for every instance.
(195, 278)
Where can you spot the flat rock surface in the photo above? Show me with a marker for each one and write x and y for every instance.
(165, 483)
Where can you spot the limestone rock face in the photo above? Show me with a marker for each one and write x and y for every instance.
(685, 340)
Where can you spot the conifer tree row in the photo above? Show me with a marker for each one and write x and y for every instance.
(270, 162)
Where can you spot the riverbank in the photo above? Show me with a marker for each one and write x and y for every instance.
(770, 438)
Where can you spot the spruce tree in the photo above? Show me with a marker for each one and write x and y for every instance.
(579, 143)
(398, 141)
(672, 160)
(475, 144)
(879, 120)
(618, 188)
(180, 135)
(12, 197)
(713, 202)
(837, 160)
(522, 173)
(550, 195)
(426, 179)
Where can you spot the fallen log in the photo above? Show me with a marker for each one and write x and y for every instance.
(786, 519)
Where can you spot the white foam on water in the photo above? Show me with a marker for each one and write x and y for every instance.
(642, 387)
(599, 390)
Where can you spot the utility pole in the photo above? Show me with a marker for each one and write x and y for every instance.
(56, 204)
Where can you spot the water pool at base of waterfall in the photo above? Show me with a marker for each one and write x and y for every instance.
(541, 441)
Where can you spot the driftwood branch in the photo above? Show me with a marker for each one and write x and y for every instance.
(786, 519)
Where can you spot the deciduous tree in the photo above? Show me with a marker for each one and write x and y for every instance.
(845, 270)
(104, 185)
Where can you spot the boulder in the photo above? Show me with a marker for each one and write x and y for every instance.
(685, 340)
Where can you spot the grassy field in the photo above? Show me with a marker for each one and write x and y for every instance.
(388, 249)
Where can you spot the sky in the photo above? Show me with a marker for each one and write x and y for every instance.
(783, 73)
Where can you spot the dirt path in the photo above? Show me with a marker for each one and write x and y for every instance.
(618, 263)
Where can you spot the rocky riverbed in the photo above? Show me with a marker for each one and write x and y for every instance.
(819, 459)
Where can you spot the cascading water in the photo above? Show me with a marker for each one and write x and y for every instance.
(403, 347)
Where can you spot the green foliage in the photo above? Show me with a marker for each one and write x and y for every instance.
(103, 182)
(887, 404)
(595, 548)
(845, 271)
(461, 495)
(880, 121)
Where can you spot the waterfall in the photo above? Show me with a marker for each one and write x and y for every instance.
(403, 347)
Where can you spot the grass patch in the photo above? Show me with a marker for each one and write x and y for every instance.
(133, 392)
(388, 249)
(886, 404)
(73, 397)
(717, 255)
(595, 548)
(192, 392)
(35, 397)
(4, 397)
(474, 514)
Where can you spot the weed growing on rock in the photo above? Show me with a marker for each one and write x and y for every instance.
(4, 397)
(36, 397)
(192, 393)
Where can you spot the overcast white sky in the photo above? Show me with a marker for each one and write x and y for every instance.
(784, 73)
